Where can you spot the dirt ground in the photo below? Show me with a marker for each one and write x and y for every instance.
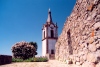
(50, 63)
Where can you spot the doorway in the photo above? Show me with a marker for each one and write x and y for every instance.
(52, 51)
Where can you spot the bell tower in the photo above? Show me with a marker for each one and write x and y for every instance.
(49, 36)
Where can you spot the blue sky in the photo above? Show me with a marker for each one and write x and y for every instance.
(22, 20)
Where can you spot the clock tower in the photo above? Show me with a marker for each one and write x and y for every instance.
(49, 36)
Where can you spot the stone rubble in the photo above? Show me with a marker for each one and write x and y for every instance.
(80, 37)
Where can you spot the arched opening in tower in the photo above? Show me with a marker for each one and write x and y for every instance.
(52, 33)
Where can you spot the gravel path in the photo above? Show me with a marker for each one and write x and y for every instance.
(50, 63)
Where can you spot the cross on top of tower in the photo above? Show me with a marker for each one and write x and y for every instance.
(49, 10)
(49, 19)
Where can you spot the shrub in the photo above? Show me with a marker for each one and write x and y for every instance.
(22, 50)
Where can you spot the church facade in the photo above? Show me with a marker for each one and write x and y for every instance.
(49, 36)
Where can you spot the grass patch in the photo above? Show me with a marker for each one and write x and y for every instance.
(17, 60)
(36, 59)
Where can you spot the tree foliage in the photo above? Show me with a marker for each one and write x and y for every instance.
(35, 45)
(23, 50)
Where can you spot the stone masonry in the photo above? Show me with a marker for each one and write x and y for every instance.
(80, 37)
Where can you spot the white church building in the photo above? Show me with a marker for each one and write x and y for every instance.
(49, 36)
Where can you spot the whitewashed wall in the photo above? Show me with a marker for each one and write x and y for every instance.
(43, 47)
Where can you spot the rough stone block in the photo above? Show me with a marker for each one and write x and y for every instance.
(91, 57)
(88, 64)
(89, 8)
(69, 61)
(78, 63)
(92, 47)
(98, 65)
(77, 59)
(92, 33)
(84, 57)
(91, 40)
(97, 46)
(97, 25)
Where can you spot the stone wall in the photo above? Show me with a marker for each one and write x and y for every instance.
(80, 37)
(4, 59)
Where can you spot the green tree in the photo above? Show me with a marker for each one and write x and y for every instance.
(35, 45)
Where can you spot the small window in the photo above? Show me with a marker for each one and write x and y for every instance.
(44, 34)
(52, 33)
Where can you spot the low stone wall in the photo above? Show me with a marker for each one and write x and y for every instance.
(5, 59)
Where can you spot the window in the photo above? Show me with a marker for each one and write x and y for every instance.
(44, 34)
(52, 33)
